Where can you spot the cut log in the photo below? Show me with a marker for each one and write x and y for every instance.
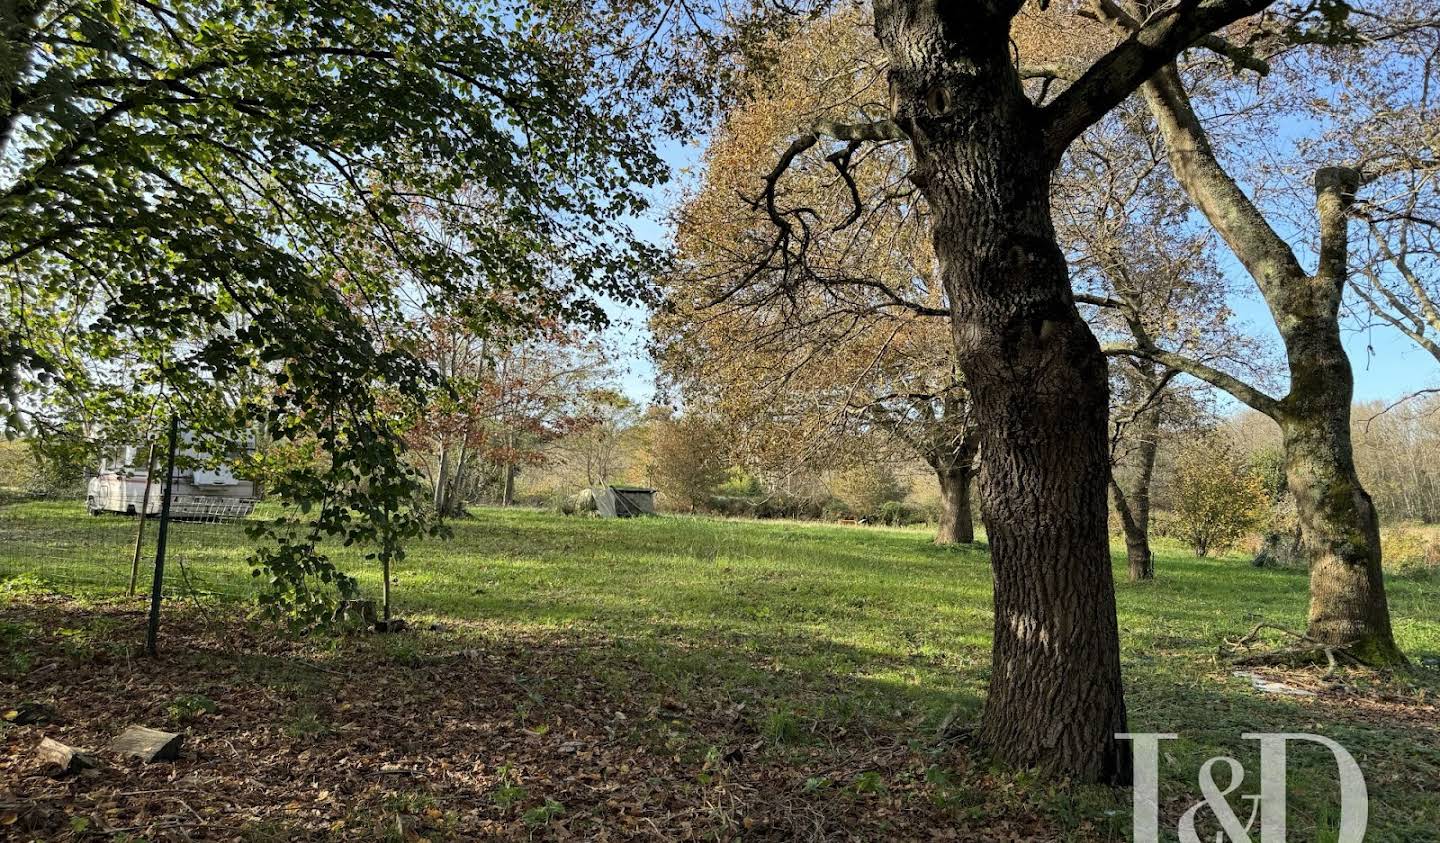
(148, 744)
(61, 759)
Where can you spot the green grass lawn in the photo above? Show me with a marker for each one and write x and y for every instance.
(818, 627)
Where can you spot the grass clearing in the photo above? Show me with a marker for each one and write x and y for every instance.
(819, 642)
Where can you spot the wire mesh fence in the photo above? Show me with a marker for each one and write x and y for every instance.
(56, 543)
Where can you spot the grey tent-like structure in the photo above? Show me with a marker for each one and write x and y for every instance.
(611, 502)
(623, 501)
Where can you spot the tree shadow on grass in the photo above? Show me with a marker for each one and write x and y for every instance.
(471, 730)
(483, 722)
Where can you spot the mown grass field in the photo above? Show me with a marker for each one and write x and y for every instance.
(828, 635)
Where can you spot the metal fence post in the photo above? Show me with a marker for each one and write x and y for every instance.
(160, 539)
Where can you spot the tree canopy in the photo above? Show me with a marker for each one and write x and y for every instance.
(230, 207)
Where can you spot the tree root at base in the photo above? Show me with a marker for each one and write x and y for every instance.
(1306, 652)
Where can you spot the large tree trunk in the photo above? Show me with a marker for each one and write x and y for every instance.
(1339, 529)
(957, 526)
(1040, 391)
(1133, 504)
(953, 458)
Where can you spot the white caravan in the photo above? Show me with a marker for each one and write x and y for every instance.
(197, 492)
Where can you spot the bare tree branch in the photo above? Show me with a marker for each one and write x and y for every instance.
(1265, 254)
(1243, 392)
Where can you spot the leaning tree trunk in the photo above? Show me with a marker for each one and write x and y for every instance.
(1339, 529)
(1137, 536)
(1038, 382)
(1133, 505)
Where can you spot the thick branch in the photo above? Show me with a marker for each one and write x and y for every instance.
(1243, 392)
(1148, 46)
(1123, 23)
(1145, 348)
(841, 160)
(878, 130)
(1376, 169)
(1334, 194)
(789, 245)
(1265, 254)
(1099, 301)
(1050, 70)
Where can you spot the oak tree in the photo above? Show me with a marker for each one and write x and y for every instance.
(985, 148)
(1217, 498)
(854, 357)
(1125, 226)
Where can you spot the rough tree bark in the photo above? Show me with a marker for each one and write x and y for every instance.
(984, 154)
(956, 471)
(1340, 532)
(1133, 505)
(1339, 529)
(957, 525)
(1038, 383)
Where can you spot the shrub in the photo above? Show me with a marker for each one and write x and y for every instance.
(18, 473)
(1268, 466)
(866, 488)
(536, 499)
(543, 814)
(1218, 499)
(791, 506)
(900, 514)
(34, 468)
(1406, 550)
(687, 460)
(731, 506)
(739, 483)
(1163, 525)
(188, 707)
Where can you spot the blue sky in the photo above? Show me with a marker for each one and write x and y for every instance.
(1387, 364)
